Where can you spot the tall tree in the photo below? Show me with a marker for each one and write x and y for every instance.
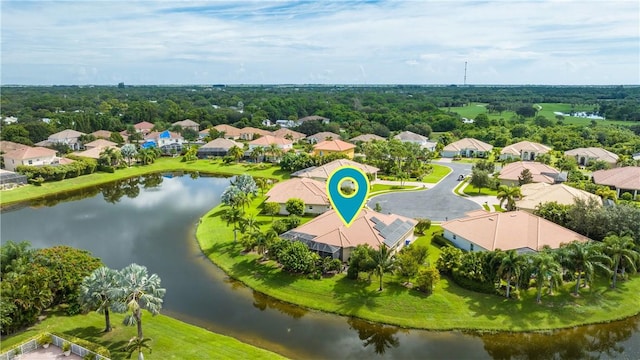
(620, 250)
(547, 271)
(95, 290)
(129, 152)
(509, 194)
(585, 259)
(232, 216)
(236, 153)
(383, 261)
(137, 290)
(511, 265)
(480, 179)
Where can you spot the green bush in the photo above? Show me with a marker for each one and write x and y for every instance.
(440, 241)
(98, 349)
(626, 196)
(473, 285)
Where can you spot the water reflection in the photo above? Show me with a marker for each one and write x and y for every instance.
(262, 302)
(585, 342)
(382, 337)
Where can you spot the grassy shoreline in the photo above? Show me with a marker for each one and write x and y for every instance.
(450, 307)
(171, 338)
(31, 192)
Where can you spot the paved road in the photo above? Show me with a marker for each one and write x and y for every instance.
(438, 203)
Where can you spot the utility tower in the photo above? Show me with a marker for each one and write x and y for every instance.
(465, 74)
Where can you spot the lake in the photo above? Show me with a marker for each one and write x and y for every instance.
(151, 220)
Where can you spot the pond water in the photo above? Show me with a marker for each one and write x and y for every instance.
(151, 220)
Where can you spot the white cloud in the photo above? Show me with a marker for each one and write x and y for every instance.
(314, 41)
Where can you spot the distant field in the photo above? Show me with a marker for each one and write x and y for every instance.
(473, 109)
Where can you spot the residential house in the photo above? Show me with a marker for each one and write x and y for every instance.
(67, 137)
(9, 179)
(229, 131)
(467, 147)
(249, 133)
(10, 120)
(187, 124)
(624, 179)
(100, 143)
(523, 150)
(329, 147)
(584, 156)
(322, 173)
(34, 156)
(322, 136)
(94, 153)
(514, 230)
(366, 138)
(328, 236)
(101, 134)
(8, 146)
(535, 194)
(167, 141)
(289, 134)
(266, 142)
(283, 123)
(423, 141)
(143, 127)
(540, 173)
(217, 147)
(312, 192)
(300, 121)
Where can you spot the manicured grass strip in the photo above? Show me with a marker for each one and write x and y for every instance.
(171, 338)
(473, 191)
(449, 307)
(497, 208)
(438, 173)
(457, 191)
(163, 164)
(385, 187)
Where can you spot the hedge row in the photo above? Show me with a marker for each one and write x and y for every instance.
(81, 166)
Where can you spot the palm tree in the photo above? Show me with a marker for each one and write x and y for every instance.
(262, 184)
(257, 152)
(547, 270)
(510, 268)
(129, 151)
(107, 156)
(136, 290)
(620, 250)
(264, 240)
(236, 153)
(509, 194)
(586, 258)
(274, 151)
(95, 290)
(137, 344)
(232, 215)
(383, 261)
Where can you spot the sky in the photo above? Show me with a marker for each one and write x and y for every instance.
(542, 42)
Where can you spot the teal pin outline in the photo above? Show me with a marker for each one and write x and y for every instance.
(359, 188)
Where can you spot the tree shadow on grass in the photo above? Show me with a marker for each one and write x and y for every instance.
(265, 272)
(353, 295)
(97, 335)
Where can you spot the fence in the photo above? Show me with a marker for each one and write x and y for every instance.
(32, 345)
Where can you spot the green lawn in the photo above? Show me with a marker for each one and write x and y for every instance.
(385, 187)
(473, 191)
(438, 173)
(163, 164)
(449, 307)
(171, 339)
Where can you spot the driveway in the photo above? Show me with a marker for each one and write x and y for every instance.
(438, 203)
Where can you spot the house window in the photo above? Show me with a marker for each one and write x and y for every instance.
(454, 237)
(30, 162)
(470, 247)
(310, 207)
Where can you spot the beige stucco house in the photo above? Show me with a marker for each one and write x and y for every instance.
(584, 156)
(540, 173)
(32, 156)
(312, 192)
(467, 147)
(535, 194)
(524, 150)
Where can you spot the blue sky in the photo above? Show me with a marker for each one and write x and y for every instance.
(320, 42)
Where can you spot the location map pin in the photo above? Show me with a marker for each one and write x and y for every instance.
(347, 206)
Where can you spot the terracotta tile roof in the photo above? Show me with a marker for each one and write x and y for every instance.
(282, 132)
(540, 193)
(594, 153)
(627, 177)
(65, 161)
(268, 140)
(369, 227)
(468, 143)
(66, 134)
(100, 143)
(333, 145)
(510, 231)
(228, 130)
(410, 136)
(8, 146)
(186, 123)
(312, 192)
(322, 136)
(252, 130)
(93, 153)
(522, 146)
(30, 153)
(367, 138)
(221, 143)
(144, 125)
(102, 134)
(323, 172)
(540, 172)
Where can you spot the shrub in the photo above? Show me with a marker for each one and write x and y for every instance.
(474, 285)
(427, 279)
(295, 206)
(422, 225)
(439, 240)
(449, 260)
(626, 196)
(98, 349)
